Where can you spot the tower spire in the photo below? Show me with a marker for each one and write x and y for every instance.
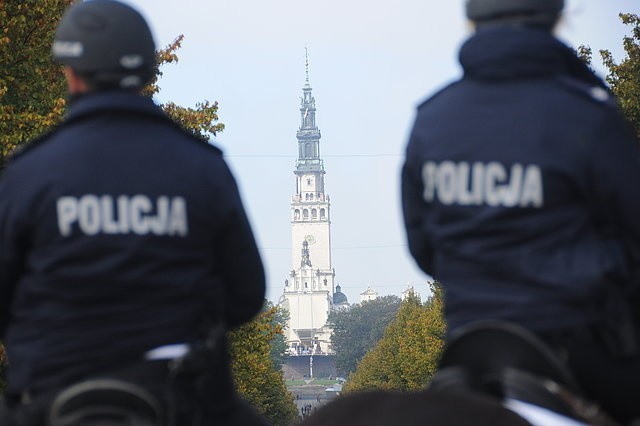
(308, 135)
(306, 65)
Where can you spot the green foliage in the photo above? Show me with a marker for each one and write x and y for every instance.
(201, 121)
(358, 329)
(32, 88)
(624, 78)
(254, 374)
(278, 342)
(585, 53)
(407, 356)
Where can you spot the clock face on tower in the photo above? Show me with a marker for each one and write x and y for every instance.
(310, 239)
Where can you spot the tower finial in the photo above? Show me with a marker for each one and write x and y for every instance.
(306, 63)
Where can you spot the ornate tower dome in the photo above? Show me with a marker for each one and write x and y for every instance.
(339, 298)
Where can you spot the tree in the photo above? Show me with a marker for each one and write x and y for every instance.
(624, 78)
(278, 341)
(32, 87)
(32, 90)
(201, 121)
(253, 369)
(358, 329)
(407, 356)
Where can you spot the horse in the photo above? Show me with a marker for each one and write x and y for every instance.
(491, 373)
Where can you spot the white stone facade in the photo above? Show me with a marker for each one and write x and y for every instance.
(368, 295)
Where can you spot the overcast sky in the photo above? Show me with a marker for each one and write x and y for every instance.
(371, 64)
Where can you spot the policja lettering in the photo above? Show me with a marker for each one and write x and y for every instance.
(482, 183)
(125, 215)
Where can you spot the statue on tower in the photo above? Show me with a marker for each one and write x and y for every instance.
(306, 260)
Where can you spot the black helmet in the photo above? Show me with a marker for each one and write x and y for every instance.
(542, 12)
(106, 42)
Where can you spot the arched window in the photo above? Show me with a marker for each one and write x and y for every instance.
(314, 214)
(322, 214)
(296, 214)
(305, 214)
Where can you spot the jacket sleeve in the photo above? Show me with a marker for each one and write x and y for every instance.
(413, 208)
(241, 265)
(615, 177)
(11, 251)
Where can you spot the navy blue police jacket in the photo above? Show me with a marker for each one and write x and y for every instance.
(119, 233)
(521, 190)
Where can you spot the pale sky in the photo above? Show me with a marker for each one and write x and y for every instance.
(371, 64)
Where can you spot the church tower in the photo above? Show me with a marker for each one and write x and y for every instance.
(309, 289)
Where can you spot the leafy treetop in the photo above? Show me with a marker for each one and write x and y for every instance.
(358, 329)
(623, 77)
(407, 356)
(32, 89)
(254, 374)
(201, 121)
(32, 86)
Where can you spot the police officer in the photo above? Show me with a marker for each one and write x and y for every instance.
(520, 195)
(123, 239)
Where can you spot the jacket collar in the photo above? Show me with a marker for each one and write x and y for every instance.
(503, 53)
(112, 101)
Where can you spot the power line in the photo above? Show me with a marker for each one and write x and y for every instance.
(375, 285)
(344, 248)
(369, 247)
(324, 156)
(362, 155)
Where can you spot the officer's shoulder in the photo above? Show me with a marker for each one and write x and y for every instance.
(587, 91)
(204, 143)
(189, 137)
(438, 94)
(27, 147)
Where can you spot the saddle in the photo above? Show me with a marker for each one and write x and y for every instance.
(102, 402)
(510, 363)
(112, 401)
